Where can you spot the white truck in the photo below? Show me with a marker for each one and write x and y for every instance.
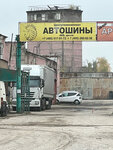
(42, 87)
(3, 102)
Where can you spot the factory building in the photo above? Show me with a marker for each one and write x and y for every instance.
(69, 52)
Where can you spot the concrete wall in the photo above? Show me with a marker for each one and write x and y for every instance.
(90, 87)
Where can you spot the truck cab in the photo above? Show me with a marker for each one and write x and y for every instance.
(41, 85)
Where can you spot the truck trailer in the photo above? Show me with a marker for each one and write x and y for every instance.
(42, 87)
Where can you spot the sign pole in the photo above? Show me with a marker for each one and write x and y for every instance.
(18, 67)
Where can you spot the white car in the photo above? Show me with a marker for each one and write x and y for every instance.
(69, 96)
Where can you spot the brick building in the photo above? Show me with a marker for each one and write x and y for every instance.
(2, 45)
(3, 62)
(8, 55)
(70, 52)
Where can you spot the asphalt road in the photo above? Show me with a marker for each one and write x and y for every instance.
(88, 126)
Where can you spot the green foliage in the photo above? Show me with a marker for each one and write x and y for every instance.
(99, 65)
(72, 7)
(103, 65)
(94, 66)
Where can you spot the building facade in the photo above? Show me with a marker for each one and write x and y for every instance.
(70, 52)
(2, 45)
(3, 62)
(8, 51)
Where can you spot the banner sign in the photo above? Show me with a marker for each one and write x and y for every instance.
(105, 31)
(73, 31)
(8, 75)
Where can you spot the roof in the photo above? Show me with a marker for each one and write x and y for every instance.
(70, 91)
(53, 8)
(3, 35)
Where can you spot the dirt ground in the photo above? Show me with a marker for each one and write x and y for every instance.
(88, 126)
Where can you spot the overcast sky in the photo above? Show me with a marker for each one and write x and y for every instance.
(14, 11)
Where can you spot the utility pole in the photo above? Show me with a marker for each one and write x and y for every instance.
(72, 57)
(18, 67)
(9, 65)
(63, 54)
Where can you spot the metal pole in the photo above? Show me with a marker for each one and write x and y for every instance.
(18, 67)
(28, 91)
(63, 54)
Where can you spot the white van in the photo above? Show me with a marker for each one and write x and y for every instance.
(3, 102)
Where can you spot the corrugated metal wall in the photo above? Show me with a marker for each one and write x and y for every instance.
(91, 88)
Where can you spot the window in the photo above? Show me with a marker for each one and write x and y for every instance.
(35, 17)
(1, 50)
(32, 17)
(43, 17)
(38, 16)
(65, 94)
(71, 94)
(78, 95)
(57, 16)
(60, 95)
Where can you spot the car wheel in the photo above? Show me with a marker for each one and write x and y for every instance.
(76, 102)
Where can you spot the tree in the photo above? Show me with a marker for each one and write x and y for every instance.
(94, 66)
(72, 7)
(89, 69)
(103, 65)
(99, 65)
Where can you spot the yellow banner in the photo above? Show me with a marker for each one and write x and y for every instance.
(78, 31)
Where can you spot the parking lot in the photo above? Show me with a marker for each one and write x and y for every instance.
(88, 126)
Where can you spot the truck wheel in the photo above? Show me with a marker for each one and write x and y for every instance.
(43, 104)
(40, 108)
(14, 108)
(49, 104)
